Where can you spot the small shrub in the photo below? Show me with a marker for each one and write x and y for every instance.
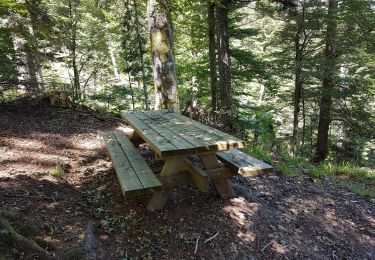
(287, 169)
(360, 190)
(316, 171)
(259, 152)
(348, 169)
(295, 160)
(58, 171)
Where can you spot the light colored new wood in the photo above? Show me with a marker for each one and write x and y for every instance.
(158, 143)
(198, 176)
(131, 186)
(134, 175)
(159, 198)
(246, 165)
(171, 134)
(223, 186)
(143, 171)
(221, 173)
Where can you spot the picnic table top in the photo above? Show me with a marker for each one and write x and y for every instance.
(171, 134)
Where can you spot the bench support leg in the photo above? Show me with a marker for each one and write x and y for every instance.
(223, 186)
(171, 167)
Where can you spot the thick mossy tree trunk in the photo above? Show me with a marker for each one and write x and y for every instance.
(33, 8)
(164, 66)
(212, 55)
(226, 102)
(328, 83)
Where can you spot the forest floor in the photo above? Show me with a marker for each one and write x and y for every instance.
(56, 175)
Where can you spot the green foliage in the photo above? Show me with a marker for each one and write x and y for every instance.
(360, 190)
(8, 68)
(257, 123)
(58, 171)
(9, 6)
(287, 169)
(113, 99)
(260, 152)
(9, 96)
(344, 169)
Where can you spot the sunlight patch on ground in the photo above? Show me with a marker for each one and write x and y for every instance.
(95, 142)
(241, 211)
(27, 143)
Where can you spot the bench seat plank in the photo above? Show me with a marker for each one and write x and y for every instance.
(145, 174)
(245, 164)
(135, 176)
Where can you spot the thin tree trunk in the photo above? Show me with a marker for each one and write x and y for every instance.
(164, 67)
(141, 54)
(131, 90)
(303, 120)
(328, 85)
(73, 49)
(297, 86)
(212, 55)
(33, 81)
(114, 62)
(224, 62)
(298, 81)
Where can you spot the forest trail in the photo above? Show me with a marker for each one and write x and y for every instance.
(55, 172)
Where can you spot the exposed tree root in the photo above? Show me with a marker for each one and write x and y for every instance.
(10, 236)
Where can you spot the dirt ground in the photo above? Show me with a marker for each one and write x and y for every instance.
(273, 216)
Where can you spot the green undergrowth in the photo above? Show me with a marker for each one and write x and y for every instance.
(358, 180)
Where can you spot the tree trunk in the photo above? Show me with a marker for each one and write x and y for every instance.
(224, 62)
(33, 8)
(114, 62)
(328, 85)
(297, 85)
(73, 49)
(141, 54)
(212, 55)
(164, 67)
(32, 78)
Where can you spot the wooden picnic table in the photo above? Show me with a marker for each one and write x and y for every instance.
(173, 137)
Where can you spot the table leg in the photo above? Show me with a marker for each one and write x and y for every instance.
(159, 198)
(136, 139)
(223, 186)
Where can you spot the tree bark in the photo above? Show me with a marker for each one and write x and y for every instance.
(212, 55)
(164, 67)
(141, 55)
(114, 62)
(297, 83)
(33, 8)
(226, 105)
(328, 84)
(73, 49)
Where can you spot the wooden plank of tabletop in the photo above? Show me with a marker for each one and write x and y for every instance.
(190, 133)
(160, 145)
(207, 138)
(226, 139)
(160, 127)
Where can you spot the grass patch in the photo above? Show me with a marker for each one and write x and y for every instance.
(360, 190)
(287, 169)
(58, 171)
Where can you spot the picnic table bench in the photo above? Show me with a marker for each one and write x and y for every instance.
(174, 137)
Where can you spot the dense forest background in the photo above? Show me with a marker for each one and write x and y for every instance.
(296, 79)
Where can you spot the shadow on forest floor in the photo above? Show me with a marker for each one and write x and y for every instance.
(273, 216)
